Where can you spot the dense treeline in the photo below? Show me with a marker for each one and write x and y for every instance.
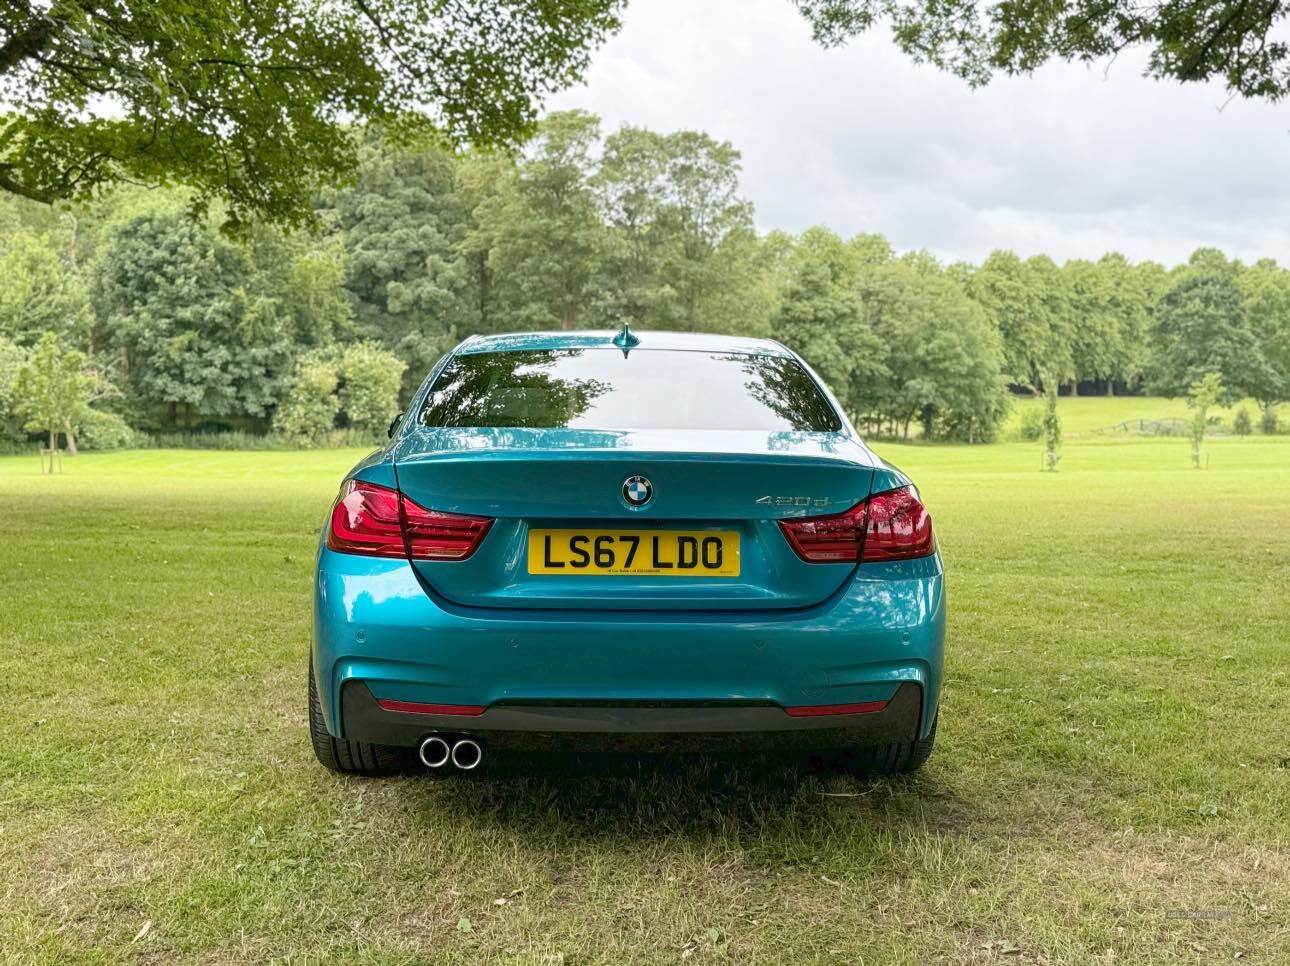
(168, 325)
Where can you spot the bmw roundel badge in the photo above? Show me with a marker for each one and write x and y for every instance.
(637, 490)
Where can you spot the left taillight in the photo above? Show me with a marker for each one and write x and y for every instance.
(888, 526)
(377, 521)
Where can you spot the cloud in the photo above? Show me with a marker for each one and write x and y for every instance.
(1074, 161)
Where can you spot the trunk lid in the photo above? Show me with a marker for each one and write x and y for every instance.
(572, 480)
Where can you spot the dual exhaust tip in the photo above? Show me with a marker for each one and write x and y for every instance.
(464, 753)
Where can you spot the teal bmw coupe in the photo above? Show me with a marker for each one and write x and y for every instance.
(632, 540)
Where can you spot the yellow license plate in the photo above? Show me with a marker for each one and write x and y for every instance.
(656, 553)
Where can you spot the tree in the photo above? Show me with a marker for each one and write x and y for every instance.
(1265, 301)
(200, 336)
(1025, 302)
(713, 261)
(1201, 395)
(1052, 298)
(821, 317)
(1203, 327)
(54, 389)
(12, 360)
(547, 235)
(41, 292)
(940, 355)
(1231, 40)
(1096, 321)
(631, 188)
(1052, 427)
(404, 226)
(1133, 291)
(250, 102)
(680, 250)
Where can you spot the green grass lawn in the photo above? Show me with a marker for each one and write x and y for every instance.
(1111, 783)
(1086, 415)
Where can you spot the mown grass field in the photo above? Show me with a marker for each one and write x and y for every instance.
(1111, 782)
(1089, 416)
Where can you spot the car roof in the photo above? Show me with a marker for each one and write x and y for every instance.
(604, 339)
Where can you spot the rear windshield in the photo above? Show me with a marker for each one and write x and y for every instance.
(646, 389)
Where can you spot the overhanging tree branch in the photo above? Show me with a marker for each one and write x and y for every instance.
(26, 43)
(7, 183)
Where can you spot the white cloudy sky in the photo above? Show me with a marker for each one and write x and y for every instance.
(1074, 161)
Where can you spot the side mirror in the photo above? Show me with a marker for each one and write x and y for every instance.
(393, 425)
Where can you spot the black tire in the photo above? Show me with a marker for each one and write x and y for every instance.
(899, 758)
(349, 757)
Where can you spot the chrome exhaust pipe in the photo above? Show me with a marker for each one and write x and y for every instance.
(434, 752)
(467, 754)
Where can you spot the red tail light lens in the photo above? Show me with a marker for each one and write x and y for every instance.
(366, 520)
(899, 527)
(831, 539)
(888, 526)
(433, 535)
(380, 522)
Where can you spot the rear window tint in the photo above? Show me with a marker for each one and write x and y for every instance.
(644, 389)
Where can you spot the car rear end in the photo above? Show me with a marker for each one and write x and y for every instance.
(570, 543)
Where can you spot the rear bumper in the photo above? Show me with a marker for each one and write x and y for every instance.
(546, 674)
(557, 725)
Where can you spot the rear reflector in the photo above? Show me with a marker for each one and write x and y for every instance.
(888, 526)
(416, 707)
(377, 521)
(817, 710)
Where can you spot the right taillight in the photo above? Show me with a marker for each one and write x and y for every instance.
(899, 527)
(377, 521)
(888, 526)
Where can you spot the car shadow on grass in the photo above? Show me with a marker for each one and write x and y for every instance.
(633, 797)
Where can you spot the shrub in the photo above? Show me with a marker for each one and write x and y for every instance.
(1241, 422)
(239, 440)
(1268, 419)
(356, 385)
(370, 394)
(100, 430)
(1032, 424)
(310, 409)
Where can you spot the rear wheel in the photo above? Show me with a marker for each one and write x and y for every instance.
(898, 758)
(348, 757)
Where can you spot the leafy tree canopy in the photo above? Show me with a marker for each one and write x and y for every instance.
(1204, 327)
(1238, 42)
(199, 329)
(250, 103)
(40, 291)
(55, 387)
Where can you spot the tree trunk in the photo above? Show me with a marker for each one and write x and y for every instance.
(71, 437)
